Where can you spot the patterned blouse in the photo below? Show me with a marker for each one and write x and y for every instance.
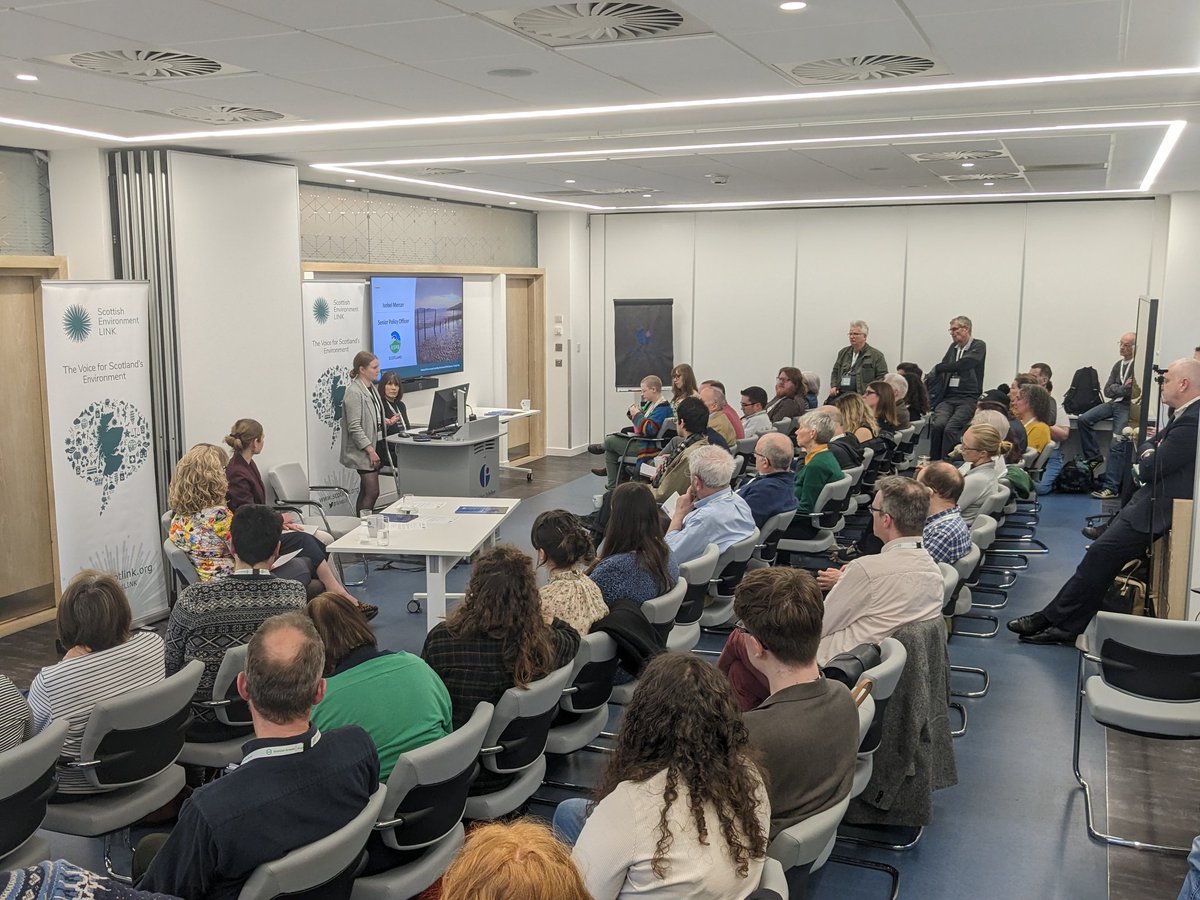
(574, 598)
(204, 537)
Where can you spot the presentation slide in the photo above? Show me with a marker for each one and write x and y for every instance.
(416, 324)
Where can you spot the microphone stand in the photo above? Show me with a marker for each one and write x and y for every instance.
(1160, 422)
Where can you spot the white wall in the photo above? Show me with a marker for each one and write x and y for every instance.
(237, 246)
(80, 213)
(754, 291)
(564, 253)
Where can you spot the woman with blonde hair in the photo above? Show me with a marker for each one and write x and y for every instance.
(362, 428)
(857, 417)
(520, 860)
(983, 463)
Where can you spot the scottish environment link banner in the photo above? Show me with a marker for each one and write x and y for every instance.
(334, 330)
(97, 341)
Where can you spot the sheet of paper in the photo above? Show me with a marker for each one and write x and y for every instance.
(437, 520)
(648, 469)
(425, 504)
(287, 557)
(668, 505)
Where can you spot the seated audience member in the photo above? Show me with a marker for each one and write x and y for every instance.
(1031, 404)
(735, 421)
(900, 389)
(563, 546)
(772, 492)
(788, 402)
(683, 385)
(881, 400)
(647, 418)
(105, 658)
(212, 616)
(917, 398)
(681, 811)
(857, 364)
(635, 562)
(996, 401)
(872, 596)
(818, 468)
(61, 880)
(295, 784)
(946, 535)
(805, 726)
(520, 860)
(845, 447)
(961, 373)
(394, 697)
(755, 421)
(672, 476)
(718, 422)
(1059, 422)
(15, 715)
(983, 464)
(812, 388)
(858, 419)
(496, 638)
(708, 512)
(1167, 471)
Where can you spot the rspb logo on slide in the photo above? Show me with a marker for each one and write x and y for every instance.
(394, 346)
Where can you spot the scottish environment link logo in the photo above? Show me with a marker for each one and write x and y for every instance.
(77, 323)
(327, 398)
(106, 443)
(320, 310)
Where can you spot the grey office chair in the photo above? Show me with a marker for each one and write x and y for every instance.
(956, 600)
(696, 573)
(321, 869)
(806, 845)
(27, 782)
(289, 483)
(229, 709)
(660, 612)
(832, 494)
(731, 566)
(585, 700)
(422, 813)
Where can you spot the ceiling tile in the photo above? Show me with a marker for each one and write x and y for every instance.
(557, 80)
(412, 88)
(26, 37)
(156, 22)
(791, 47)
(937, 7)
(289, 97)
(313, 14)
(1162, 33)
(294, 53)
(461, 37)
(765, 15)
(1059, 151)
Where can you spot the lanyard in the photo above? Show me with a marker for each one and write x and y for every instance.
(961, 351)
(1125, 370)
(906, 545)
(282, 749)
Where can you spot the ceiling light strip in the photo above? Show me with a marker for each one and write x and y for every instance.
(1170, 139)
(592, 155)
(843, 201)
(60, 129)
(470, 190)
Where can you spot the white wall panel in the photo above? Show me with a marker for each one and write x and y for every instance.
(745, 297)
(964, 260)
(850, 265)
(645, 257)
(235, 232)
(1085, 265)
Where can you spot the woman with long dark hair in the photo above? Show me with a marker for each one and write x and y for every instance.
(681, 809)
(881, 399)
(683, 385)
(395, 413)
(564, 546)
(634, 562)
(917, 397)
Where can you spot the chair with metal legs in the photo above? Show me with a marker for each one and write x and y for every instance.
(696, 573)
(1148, 684)
(730, 568)
(952, 601)
(967, 567)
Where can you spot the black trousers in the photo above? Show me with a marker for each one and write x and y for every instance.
(950, 420)
(1081, 597)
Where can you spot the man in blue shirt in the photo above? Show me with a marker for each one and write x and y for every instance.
(709, 512)
(772, 492)
(946, 535)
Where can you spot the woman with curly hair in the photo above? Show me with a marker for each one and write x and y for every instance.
(681, 809)
(563, 546)
(496, 638)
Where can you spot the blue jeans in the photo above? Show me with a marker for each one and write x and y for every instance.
(1118, 412)
(1191, 884)
(1054, 464)
(1118, 462)
(569, 819)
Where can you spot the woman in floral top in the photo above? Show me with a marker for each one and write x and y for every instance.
(563, 546)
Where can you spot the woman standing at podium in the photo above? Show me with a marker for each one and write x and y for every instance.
(362, 427)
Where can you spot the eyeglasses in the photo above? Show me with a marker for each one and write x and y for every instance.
(870, 393)
(855, 334)
(744, 630)
(877, 509)
(973, 449)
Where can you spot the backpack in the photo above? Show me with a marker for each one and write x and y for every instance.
(1084, 392)
(1075, 477)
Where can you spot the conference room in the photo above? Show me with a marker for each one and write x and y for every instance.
(208, 208)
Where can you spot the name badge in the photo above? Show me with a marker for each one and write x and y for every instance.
(954, 381)
(847, 380)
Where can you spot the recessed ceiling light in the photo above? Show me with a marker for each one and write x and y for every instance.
(351, 180)
(569, 181)
(792, 5)
(647, 196)
(512, 202)
(968, 165)
(988, 183)
(26, 77)
(511, 73)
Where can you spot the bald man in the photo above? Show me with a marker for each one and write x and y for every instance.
(1117, 389)
(1167, 470)
(772, 492)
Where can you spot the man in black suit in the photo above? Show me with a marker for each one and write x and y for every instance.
(961, 371)
(1167, 470)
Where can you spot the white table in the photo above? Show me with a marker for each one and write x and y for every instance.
(506, 415)
(444, 538)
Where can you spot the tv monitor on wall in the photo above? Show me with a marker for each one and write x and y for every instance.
(417, 324)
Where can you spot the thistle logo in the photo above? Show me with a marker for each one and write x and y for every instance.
(327, 398)
(77, 323)
(320, 310)
(106, 443)
(394, 346)
(485, 476)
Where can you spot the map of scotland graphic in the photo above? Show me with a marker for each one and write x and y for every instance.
(107, 442)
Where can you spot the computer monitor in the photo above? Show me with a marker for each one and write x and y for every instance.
(445, 412)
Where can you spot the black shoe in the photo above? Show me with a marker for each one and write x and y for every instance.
(602, 472)
(1030, 624)
(369, 610)
(1092, 533)
(1051, 635)
(845, 554)
(597, 449)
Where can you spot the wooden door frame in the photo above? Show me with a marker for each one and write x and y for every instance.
(39, 268)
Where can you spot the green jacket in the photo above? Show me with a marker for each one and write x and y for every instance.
(814, 475)
(871, 367)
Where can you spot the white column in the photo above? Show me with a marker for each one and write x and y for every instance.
(80, 212)
(563, 252)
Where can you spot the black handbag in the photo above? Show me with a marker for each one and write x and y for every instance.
(848, 667)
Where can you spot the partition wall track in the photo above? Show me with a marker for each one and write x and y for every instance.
(140, 199)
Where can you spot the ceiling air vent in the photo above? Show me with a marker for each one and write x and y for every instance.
(572, 24)
(983, 176)
(955, 155)
(441, 170)
(146, 64)
(592, 192)
(874, 67)
(223, 114)
(624, 190)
